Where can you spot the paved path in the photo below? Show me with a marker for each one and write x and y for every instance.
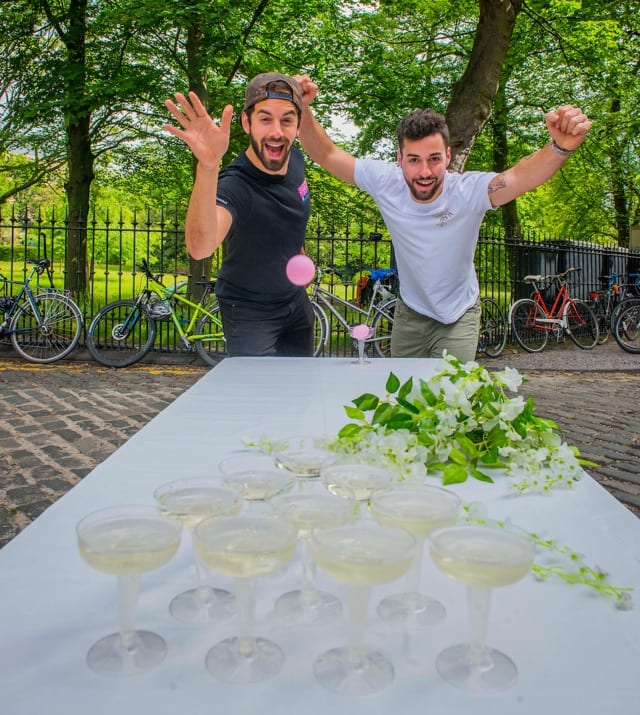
(60, 421)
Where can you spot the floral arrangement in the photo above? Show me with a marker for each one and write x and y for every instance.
(460, 422)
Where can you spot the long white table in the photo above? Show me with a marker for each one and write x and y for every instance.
(576, 653)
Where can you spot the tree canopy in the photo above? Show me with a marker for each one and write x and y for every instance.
(82, 86)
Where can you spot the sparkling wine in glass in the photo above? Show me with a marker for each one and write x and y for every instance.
(483, 558)
(190, 501)
(260, 484)
(245, 547)
(308, 513)
(361, 556)
(418, 511)
(304, 456)
(127, 541)
(356, 480)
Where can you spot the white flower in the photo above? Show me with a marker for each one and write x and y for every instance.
(510, 378)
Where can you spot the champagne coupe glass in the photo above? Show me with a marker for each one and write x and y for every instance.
(307, 513)
(190, 501)
(304, 456)
(483, 557)
(257, 485)
(246, 460)
(127, 541)
(244, 547)
(357, 480)
(419, 511)
(360, 333)
(361, 555)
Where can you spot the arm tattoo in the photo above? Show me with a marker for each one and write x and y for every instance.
(496, 183)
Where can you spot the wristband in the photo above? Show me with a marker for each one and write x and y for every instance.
(559, 150)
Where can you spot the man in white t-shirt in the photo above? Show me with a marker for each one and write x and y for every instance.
(434, 217)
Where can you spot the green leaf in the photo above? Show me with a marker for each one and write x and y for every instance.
(400, 421)
(354, 413)
(480, 476)
(454, 474)
(467, 445)
(408, 406)
(455, 455)
(427, 393)
(393, 384)
(383, 413)
(405, 389)
(350, 430)
(366, 402)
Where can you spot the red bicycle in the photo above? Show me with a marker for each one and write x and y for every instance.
(533, 321)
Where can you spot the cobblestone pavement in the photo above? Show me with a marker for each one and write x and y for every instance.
(59, 421)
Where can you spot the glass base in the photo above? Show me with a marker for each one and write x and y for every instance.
(493, 672)
(109, 656)
(411, 609)
(244, 660)
(307, 608)
(203, 604)
(353, 671)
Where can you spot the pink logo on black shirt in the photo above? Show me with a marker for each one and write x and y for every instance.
(303, 190)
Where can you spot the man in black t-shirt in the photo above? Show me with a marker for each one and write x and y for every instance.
(259, 204)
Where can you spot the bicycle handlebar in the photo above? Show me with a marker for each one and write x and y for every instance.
(554, 276)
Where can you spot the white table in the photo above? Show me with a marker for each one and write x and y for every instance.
(575, 652)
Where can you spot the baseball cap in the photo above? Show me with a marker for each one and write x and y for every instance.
(273, 85)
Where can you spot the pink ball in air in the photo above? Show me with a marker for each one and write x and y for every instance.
(300, 270)
(360, 332)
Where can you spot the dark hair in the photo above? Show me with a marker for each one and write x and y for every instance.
(422, 123)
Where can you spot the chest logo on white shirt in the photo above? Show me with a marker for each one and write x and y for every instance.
(445, 216)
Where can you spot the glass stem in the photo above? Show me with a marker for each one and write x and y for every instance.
(308, 569)
(479, 599)
(128, 589)
(415, 571)
(358, 600)
(202, 588)
(361, 351)
(245, 611)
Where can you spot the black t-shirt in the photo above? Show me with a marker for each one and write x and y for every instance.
(270, 214)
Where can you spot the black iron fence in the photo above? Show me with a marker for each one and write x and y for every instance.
(114, 245)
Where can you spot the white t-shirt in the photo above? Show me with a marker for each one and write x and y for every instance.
(434, 242)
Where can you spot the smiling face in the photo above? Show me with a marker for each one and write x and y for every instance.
(272, 126)
(424, 163)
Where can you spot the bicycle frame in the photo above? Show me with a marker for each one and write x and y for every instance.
(25, 293)
(327, 299)
(554, 316)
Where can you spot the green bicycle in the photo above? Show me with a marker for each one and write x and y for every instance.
(124, 331)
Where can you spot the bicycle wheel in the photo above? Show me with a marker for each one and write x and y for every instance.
(382, 325)
(531, 335)
(211, 347)
(49, 334)
(121, 334)
(320, 329)
(582, 324)
(493, 328)
(627, 327)
(601, 309)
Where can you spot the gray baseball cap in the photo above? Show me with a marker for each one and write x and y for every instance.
(273, 85)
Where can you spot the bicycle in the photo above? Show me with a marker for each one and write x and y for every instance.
(124, 331)
(606, 304)
(493, 328)
(532, 321)
(44, 326)
(377, 311)
(626, 329)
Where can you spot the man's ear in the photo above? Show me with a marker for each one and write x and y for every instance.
(246, 124)
(399, 156)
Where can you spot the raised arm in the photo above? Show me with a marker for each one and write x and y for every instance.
(568, 127)
(316, 142)
(206, 224)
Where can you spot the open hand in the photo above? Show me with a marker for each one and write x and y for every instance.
(207, 140)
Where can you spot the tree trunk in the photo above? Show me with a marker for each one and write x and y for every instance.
(618, 188)
(499, 122)
(79, 155)
(473, 94)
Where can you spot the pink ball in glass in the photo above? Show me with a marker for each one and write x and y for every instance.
(300, 270)
(360, 332)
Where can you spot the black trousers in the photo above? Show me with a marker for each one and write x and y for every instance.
(257, 329)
